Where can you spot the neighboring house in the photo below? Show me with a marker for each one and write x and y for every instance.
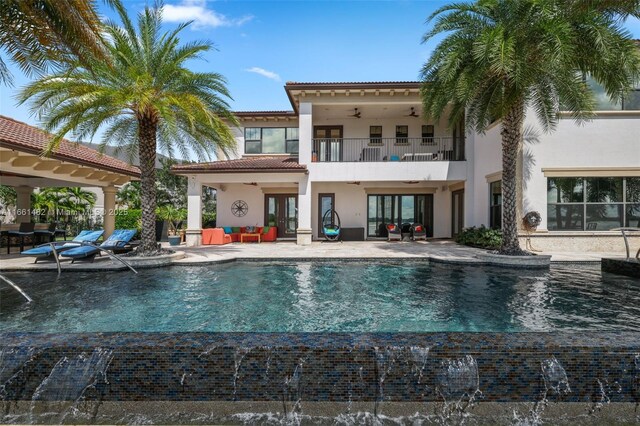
(365, 150)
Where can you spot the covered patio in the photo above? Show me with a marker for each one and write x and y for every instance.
(23, 167)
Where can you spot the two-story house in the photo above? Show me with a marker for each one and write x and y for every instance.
(366, 151)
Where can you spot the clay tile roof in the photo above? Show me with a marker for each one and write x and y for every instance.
(244, 165)
(23, 137)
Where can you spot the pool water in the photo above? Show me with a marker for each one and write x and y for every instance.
(323, 297)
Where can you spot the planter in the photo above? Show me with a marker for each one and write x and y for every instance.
(174, 240)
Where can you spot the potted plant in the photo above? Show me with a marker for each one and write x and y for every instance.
(174, 218)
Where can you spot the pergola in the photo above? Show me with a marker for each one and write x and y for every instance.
(23, 166)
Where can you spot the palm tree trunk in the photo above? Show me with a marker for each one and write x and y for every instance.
(511, 144)
(147, 129)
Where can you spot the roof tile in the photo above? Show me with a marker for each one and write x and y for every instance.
(24, 137)
(245, 164)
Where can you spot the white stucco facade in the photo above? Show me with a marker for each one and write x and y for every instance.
(358, 141)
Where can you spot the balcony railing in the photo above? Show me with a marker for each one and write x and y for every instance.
(388, 149)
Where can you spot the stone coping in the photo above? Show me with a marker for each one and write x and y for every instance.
(535, 261)
(440, 251)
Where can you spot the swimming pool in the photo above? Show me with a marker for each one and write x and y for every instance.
(324, 297)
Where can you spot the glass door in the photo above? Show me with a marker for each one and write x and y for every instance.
(457, 212)
(325, 204)
(328, 145)
(281, 210)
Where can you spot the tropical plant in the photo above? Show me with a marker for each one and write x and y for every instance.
(37, 33)
(143, 94)
(501, 58)
(480, 237)
(173, 216)
(129, 195)
(8, 199)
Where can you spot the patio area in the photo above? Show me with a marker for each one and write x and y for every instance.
(432, 250)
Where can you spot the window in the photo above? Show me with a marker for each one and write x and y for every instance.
(427, 134)
(252, 140)
(495, 205)
(375, 135)
(630, 101)
(292, 144)
(592, 204)
(271, 140)
(398, 209)
(402, 135)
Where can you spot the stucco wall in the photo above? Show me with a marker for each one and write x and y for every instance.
(605, 142)
(254, 198)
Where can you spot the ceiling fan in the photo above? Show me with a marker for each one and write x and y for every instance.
(412, 113)
(356, 114)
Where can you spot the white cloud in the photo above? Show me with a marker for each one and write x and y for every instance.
(265, 73)
(197, 11)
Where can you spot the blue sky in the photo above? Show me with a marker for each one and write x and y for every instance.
(263, 44)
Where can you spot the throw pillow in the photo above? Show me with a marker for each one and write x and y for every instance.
(227, 230)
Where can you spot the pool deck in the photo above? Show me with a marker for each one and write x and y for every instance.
(433, 250)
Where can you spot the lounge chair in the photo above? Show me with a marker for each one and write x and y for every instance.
(25, 230)
(117, 242)
(45, 250)
(418, 232)
(393, 232)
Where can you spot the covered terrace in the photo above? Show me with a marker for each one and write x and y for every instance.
(23, 167)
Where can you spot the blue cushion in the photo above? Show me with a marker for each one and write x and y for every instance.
(82, 251)
(119, 238)
(227, 230)
(45, 250)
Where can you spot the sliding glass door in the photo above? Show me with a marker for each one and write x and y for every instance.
(398, 209)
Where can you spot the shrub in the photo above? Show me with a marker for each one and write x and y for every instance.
(208, 220)
(480, 237)
(129, 219)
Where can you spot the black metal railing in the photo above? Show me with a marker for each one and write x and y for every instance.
(387, 149)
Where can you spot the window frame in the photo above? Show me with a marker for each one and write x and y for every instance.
(623, 205)
(287, 141)
(428, 138)
(402, 138)
(375, 138)
(492, 225)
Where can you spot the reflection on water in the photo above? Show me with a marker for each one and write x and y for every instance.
(312, 297)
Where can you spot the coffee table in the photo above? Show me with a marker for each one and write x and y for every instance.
(251, 235)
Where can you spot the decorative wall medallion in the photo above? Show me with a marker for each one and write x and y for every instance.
(239, 208)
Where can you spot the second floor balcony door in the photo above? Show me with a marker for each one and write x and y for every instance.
(328, 143)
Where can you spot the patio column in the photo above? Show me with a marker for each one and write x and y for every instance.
(23, 203)
(194, 212)
(470, 184)
(304, 212)
(109, 217)
(305, 134)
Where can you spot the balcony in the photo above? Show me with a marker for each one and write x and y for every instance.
(371, 150)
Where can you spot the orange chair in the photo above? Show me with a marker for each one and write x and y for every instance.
(215, 236)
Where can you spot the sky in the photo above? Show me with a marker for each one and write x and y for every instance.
(260, 45)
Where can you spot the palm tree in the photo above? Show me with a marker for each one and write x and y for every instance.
(35, 33)
(501, 58)
(144, 96)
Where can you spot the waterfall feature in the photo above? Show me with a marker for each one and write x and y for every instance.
(292, 394)
(458, 384)
(238, 357)
(554, 383)
(72, 382)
